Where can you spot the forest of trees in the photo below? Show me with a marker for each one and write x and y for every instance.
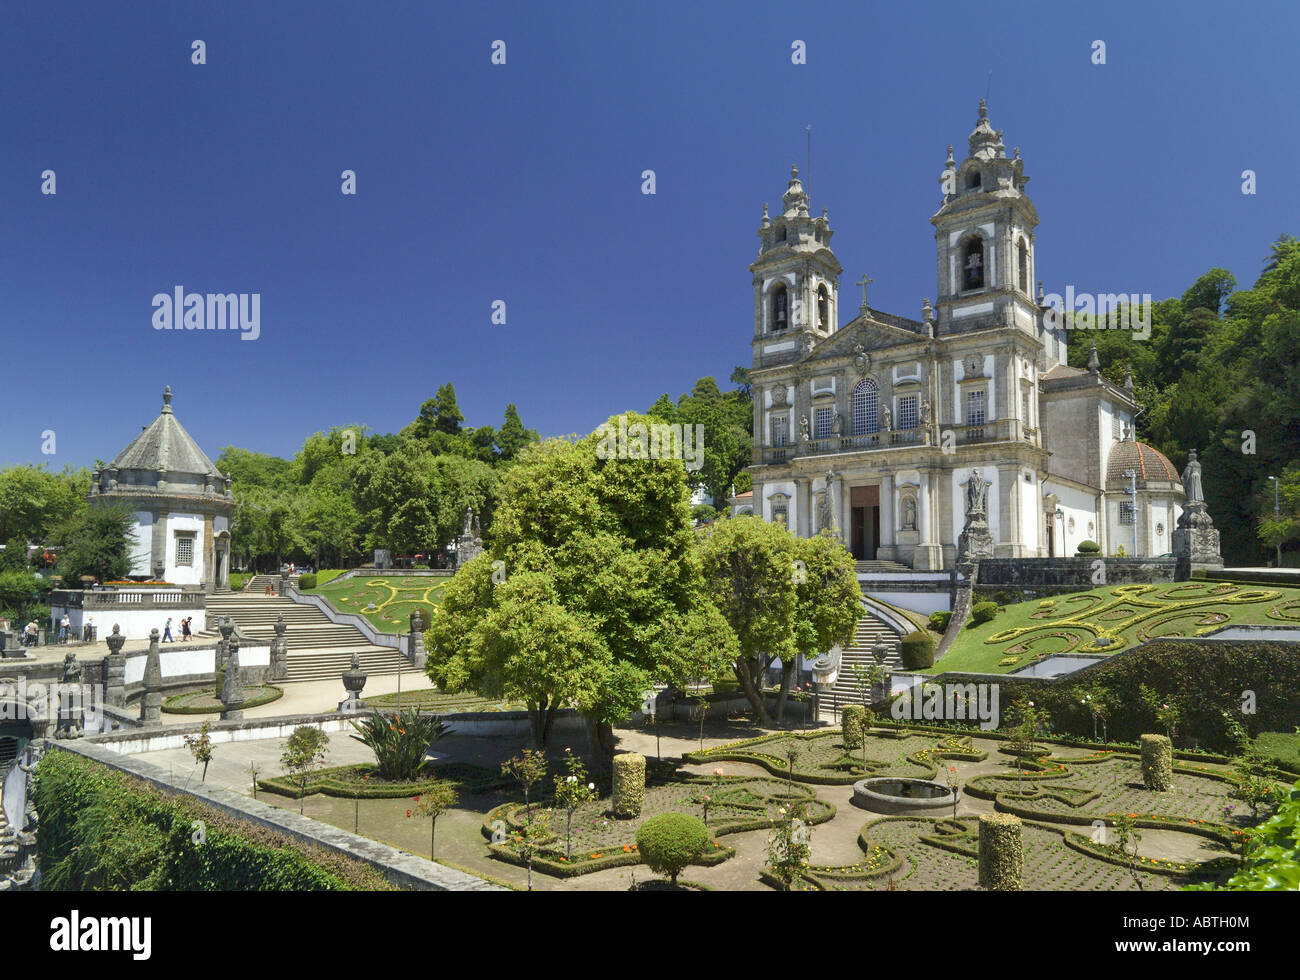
(1220, 374)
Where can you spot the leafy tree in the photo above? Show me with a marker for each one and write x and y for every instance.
(14, 557)
(200, 746)
(512, 436)
(435, 798)
(98, 544)
(571, 791)
(35, 502)
(727, 420)
(304, 752)
(589, 589)
(528, 769)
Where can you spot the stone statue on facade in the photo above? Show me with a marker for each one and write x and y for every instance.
(1192, 479)
(826, 519)
(805, 433)
(71, 709)
(977, 489)
(887, 419)
(975, 541)
(1196, 539)
(837, 421)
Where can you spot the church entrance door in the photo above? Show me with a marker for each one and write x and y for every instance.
(864, 522)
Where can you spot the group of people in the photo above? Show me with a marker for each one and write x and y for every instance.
(187, 632)
(66, 631)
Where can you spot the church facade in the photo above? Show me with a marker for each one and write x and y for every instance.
(876, 429)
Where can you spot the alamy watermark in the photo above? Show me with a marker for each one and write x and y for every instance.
(180, 310)
(20, 701)
(654, 440)
(1104, 311)
(949, 702)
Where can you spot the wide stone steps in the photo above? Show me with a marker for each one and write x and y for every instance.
(318, 649)
(881, 566)
(870, 631)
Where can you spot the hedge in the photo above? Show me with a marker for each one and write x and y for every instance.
(982, 612)
(1001, 852)
(103, 830)
(629, 784)
(1157, 763)
(307, 581)
(348, 781)
(173, 705)
(1206, 678)
(1087, 548)
(670, 841)
(854, 725)
(917, 650)
(939, 620)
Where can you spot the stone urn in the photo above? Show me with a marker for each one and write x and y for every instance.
(354, 679)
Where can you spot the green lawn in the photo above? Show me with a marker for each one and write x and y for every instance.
(1110, 619)
(1283, 746)
(394, 596)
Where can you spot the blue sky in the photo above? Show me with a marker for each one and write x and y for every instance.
(522, 183)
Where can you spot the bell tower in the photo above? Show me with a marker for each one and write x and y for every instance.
(796, 277)
(984, 239)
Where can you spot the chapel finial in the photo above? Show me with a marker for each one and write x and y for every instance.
(167, 398)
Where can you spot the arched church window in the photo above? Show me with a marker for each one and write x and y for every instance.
(1022, 265)
(866, 400)
(973, 180)
(823, 307)
(972, 263)
(780, 234)
(780, 308)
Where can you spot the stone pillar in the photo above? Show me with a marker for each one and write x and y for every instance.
(232, 688)
(151, 699)
(226, 627)
(279, 651)
(115, 670)
(415, 642)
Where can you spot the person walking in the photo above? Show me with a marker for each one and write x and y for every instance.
(185, 629)
(65, 624)
(167, 632)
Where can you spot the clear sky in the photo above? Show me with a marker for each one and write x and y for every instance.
(522, 182)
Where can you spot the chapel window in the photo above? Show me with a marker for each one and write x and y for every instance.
(780, 308)
(866, 399)
(972, 264)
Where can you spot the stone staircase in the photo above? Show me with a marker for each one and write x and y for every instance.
(881, 566)
(318, 649)
(870, 631)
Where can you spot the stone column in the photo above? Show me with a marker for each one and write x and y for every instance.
(151, 699)
(415, 643)
(232, 689)
(279, 651)
(115, 670)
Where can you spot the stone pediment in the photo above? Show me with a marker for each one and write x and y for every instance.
(875, 339)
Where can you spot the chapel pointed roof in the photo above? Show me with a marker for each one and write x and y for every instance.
(164, 447)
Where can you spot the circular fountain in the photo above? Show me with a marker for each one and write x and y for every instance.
(900, 794)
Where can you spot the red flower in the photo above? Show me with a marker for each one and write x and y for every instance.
(408, 813)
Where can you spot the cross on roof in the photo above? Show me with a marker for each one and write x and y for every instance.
(864, 282)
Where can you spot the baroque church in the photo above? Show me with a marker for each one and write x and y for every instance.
(877, 429)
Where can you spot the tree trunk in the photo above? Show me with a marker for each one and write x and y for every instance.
(601, 736)
(548, 724)
(537, 721)
(787, 676)
(752, 692)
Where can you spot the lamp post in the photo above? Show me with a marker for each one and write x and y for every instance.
(1060, 524)
(1277, 514)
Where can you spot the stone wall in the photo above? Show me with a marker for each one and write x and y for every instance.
(1052, 575)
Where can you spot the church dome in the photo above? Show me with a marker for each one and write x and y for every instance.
(1153, 469)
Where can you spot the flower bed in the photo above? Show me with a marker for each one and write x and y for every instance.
(203, 701)
(362, 781)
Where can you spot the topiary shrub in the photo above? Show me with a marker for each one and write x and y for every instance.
(1001, 852)
(982, 612)
(917, 650)
(1088, 548)
(1157, 763)
(854, 725)
(629, 784)
(307, 581)
(671, 841)
(939, 621)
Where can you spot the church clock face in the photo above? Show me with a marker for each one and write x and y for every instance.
(974, 365)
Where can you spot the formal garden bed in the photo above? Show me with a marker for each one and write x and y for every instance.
(1107, 620)
(203, 701)
(941, 854)
(362, 781)
(823, 758)
(595, 839)
(439, 702)
(394, 598)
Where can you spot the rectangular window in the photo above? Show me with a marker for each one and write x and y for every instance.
(823, 427)
(907, 412)
(1114, 427)
(780, 430)
(1024, 409)
(1126, 513)
(184, 549)
(779, 515)
(975, 406)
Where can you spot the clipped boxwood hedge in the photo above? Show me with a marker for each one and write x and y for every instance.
(670, 841)
(629, 784)
(307, 581)
(1087, 548)
(939, 620)
(1001, 852)
(917, 650)
(102, 829)
(982, 612)
(174, 705)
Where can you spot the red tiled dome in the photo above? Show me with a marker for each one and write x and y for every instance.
(1152, 466)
